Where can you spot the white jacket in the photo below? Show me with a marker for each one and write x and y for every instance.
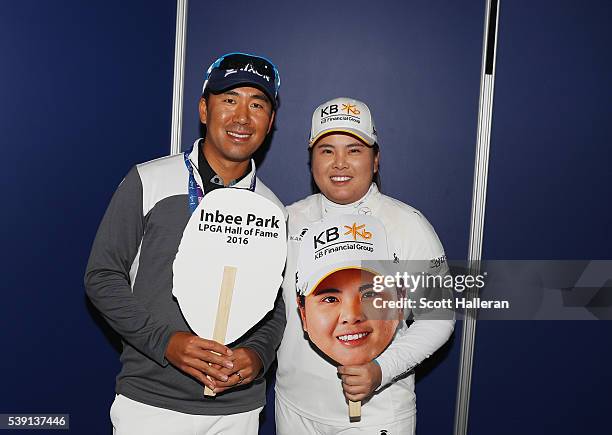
(306, 382)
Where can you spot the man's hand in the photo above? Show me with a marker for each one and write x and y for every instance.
(192, 355)
(247, 363)
(360, 381)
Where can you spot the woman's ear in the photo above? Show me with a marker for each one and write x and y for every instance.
(302, 310)
(376, 161)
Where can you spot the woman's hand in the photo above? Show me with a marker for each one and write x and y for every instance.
(360, 381)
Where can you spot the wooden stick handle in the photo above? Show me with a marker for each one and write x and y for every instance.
(354, 410)
(223, 310)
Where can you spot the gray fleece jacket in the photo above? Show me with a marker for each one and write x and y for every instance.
(129, 280)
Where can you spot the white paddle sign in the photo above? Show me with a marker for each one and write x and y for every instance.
(229, 264)
(335, 277)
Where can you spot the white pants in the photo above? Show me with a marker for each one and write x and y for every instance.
(134, 418)
(289, 422)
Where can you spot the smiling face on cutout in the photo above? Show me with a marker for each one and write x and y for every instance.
(342, 320)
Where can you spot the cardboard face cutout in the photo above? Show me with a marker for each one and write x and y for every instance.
(231, 229)
(342, 313)
(343, 320)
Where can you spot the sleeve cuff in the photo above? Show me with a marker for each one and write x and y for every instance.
(265, 365)
(385, 370)
(161, 359)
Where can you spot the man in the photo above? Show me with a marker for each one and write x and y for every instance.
(129, 274)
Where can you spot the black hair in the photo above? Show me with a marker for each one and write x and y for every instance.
(301, 299)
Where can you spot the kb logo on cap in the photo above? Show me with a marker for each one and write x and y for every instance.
(351, 108)
(330, 234)
(354, 231)
(329, 110)
(333, 234)
(332, 109)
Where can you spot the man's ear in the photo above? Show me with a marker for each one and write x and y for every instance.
(203, 109)
(302, 310)
(271, 122)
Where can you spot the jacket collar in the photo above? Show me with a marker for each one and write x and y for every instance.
(245, 182)
(367, 205)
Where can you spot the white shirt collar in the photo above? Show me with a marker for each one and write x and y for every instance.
(363, 205)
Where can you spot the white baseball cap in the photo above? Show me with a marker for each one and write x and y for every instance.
(340, 242)
(343, 115)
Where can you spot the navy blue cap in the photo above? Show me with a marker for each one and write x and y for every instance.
(241, 69)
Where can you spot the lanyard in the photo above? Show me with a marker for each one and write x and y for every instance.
(195, 193)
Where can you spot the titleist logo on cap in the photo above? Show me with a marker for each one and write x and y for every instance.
(247, 68)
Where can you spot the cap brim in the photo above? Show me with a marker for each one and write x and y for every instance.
(338, 269)
(359, 135)
(221, 85)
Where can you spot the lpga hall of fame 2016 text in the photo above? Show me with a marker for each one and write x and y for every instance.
(237, 228)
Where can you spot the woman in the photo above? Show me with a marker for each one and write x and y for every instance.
(312, 392)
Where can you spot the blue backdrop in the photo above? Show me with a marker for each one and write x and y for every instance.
(87, 89)
(549, 190)
(416, 64)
